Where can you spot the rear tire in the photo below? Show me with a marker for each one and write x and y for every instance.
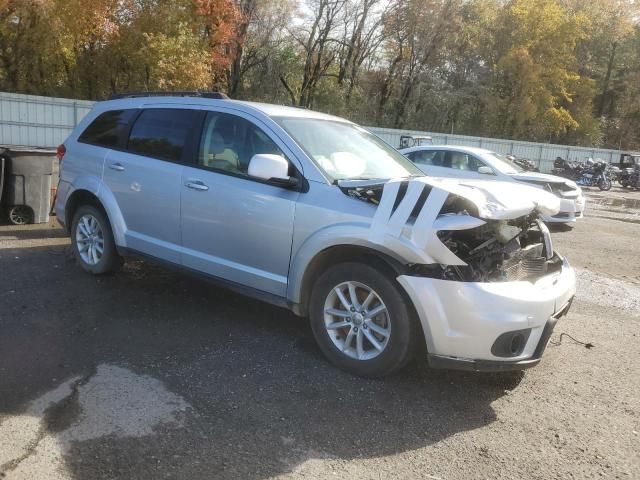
(378, 335)
(92, 241)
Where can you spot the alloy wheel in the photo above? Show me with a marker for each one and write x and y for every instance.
(357, 320)
(89, 239)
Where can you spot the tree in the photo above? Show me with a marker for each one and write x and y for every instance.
(258, 40)
(609, 56)
(219, 20)
(316, 42)
(417, 34)
(536, 77)
(566, 71)
(25, 52)
(363, 34)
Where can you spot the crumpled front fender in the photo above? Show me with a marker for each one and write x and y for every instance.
(348, 235)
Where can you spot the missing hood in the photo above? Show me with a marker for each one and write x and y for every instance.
(488, 227)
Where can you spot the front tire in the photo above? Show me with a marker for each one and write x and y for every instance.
(604, 184)
(361, 321)
(92, 241)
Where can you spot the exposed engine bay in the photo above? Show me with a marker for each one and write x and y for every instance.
(557, 188)
(510, 251)
(517, 249)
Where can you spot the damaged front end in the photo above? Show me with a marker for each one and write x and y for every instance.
(480, 272)
(499, 251)
(466, 231)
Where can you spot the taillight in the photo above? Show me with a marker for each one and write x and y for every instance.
(60, 151)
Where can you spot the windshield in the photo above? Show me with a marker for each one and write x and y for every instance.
(347, 152)
(504, 164)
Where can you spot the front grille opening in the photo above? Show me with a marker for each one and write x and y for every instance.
(528, 263)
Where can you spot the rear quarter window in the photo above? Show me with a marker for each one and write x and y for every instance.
(107, 129)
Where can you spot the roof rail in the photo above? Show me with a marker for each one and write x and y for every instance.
(213, 95)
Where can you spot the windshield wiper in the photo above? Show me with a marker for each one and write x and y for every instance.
(371, 179)
(356, 179)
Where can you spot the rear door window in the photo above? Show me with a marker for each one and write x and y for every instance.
(162, 133)
(108, 128)
(463, 161)
(427, 157)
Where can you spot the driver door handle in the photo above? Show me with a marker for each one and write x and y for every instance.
(196, 185)
(117, 167)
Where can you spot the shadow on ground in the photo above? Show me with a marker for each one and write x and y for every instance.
(17, 233)
(262, 397)
(560, 227)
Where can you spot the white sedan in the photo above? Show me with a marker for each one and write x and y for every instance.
(479, 163)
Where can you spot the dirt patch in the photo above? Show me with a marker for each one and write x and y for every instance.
(608, 292)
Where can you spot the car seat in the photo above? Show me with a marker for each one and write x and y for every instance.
(458, 161)
(218, 155)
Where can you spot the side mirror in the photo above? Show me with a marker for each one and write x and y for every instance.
(272, 168)
(485, 170)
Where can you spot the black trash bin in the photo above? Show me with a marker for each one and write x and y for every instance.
(28, 176)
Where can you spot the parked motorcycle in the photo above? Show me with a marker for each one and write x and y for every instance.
(523, 163)
(590, 174)
(597, 176)
(571, 170)
(630, 177)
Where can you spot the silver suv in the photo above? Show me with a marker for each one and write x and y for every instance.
(315, 214)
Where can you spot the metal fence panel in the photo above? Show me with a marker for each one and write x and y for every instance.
(45, 122)
(38, 121)
(495, 146)
(543, 154)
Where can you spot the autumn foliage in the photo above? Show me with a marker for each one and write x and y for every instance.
(94, 48)
(565, 71)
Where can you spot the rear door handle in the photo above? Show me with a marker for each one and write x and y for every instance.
(117, 167)
(196, 185)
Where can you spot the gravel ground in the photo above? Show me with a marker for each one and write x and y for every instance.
(153, 374)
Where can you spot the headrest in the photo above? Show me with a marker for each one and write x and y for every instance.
(226, 130)
(216, 143)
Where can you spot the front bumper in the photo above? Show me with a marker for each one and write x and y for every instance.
(442, 361)
(570, 210)
(462, 320)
